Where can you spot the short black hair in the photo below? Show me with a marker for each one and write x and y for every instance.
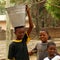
(49, 37)
(18, 27)
(50, 43)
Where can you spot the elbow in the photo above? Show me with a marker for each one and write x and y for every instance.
(31, 26)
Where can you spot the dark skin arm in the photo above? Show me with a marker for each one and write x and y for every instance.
(33, 51)
(30, 20)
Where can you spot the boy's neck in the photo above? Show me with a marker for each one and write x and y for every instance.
(51, 56)
(18, 39)
(44, 42)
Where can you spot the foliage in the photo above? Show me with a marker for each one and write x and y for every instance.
(2, 6)
(15, 2)
(53, 7)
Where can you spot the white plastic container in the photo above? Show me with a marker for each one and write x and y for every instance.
(17, 15)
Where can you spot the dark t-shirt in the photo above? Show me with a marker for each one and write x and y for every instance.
(18, 50)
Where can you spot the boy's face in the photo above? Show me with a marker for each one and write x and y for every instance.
(43, 36)
(51, 50)
(20, 33)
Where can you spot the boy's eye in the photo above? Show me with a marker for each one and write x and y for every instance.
(41, 35)
(52, 49)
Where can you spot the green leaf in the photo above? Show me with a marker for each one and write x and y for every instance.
(52, 8)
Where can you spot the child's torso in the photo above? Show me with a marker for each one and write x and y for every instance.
(57, 57)
(41, 50)
(20, 51)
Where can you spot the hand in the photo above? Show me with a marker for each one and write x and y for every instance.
(27, 8)
(30, 53)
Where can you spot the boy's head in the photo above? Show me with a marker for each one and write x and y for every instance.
(19, 32)
(51, 48)
(44, 35)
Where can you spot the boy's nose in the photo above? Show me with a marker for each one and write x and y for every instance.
(42, 36)
(22, 34)
(53, 50)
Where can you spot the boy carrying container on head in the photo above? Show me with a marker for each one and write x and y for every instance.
(18, 48)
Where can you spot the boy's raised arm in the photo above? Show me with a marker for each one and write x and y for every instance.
(30, 20)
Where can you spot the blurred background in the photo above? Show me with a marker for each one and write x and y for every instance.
(44, 13)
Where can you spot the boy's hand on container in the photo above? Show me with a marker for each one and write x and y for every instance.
(27, 8)
(30, 53)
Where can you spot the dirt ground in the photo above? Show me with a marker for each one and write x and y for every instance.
(33, 57)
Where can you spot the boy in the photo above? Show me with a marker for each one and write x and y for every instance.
(18, 48)
(40, 47)
(51, 49)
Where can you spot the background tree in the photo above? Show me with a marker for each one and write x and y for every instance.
(2, 7)
(53, 7)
